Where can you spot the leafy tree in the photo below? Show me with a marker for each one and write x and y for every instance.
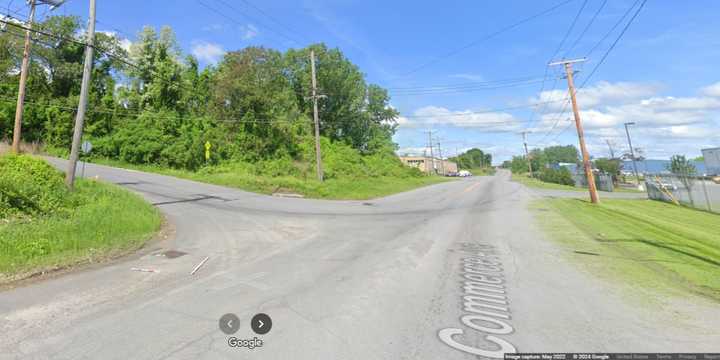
(609, 166)
(519, 165)
(472, 159)
(538, 160)
(561, 154)
(557, 176)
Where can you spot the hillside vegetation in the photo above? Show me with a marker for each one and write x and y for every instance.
(153, 105)
(43, 226)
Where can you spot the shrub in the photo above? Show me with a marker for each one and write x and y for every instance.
(29, 186)
(557, 176)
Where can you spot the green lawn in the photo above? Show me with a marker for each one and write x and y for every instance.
(644, 243)
(482, 171)
(535, 183)
(342, 188)
(105, 221)
(538, 184)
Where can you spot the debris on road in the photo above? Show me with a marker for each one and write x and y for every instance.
(199, 265)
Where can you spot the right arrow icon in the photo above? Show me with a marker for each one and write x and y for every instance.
(261, 324)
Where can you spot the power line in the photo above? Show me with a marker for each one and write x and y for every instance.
(557, 50)
(485, 38)
(224, 15)
(472, 83)
(272, 18)
(440, 91)
(587, 27)
(585, 81)
(478, 112)
(613, 44)
(627, 12)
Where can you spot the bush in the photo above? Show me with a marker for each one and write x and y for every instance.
(556, 176)
(29, 186)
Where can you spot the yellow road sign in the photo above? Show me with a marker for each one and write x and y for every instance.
(207, 150)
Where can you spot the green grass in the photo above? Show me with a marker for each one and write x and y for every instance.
(644, 243)
(482, 171)
(104, 222)
(340, 188)
(535, 183)
(526, 180)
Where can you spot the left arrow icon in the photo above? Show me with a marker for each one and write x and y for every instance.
(229, 323)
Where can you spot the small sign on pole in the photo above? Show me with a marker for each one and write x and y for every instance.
(86, 147)
(207, 150)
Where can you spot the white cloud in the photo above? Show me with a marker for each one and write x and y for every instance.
(411, 150)
(487, 121)
(124, 43)
(249, 31)
(711, 90)
(208, 52)
(601, 93)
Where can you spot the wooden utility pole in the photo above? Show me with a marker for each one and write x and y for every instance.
(23, 80)
(442, 162)
(578, 124)
(432, 157)
(84, 87)
(318, 155)
(612, 151)
(632, 152)
(527, 154)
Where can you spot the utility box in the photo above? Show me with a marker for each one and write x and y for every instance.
(712, 160)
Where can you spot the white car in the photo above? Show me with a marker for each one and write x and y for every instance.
(464, 173)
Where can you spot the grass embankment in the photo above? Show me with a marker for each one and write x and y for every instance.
(526, 180)
(538, 184)
(241, 176)
(44, 227)
(485, 171)
(645, 243)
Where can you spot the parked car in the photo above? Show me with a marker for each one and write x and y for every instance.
(464, 173)
(451, 174)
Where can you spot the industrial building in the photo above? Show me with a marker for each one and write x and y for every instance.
(430, 165)
(711, 157)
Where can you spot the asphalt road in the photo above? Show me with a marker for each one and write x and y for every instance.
(435, 273)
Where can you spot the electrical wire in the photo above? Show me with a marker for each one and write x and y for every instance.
(484, 38)
(585, 30)
(610, 49)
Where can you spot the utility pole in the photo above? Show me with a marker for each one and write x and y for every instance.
(19, 108)
(632, 152)
(84, 88)
(527, 154)
(432, 157)
(612, 152)
(24, 68)
(442, 162)
(318, 155)
(578, 124)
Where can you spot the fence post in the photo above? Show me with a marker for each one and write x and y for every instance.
(707, 197)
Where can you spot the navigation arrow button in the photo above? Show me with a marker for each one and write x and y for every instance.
(261, 324)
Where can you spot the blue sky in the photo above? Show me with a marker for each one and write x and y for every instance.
(660, 75)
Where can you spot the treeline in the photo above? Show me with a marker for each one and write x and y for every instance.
(540, 159)
(153, 104)
(473, 159)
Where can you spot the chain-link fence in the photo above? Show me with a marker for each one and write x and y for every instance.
(603, 182)
(698, 192)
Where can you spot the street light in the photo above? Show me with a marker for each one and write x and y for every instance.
(632, 153)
